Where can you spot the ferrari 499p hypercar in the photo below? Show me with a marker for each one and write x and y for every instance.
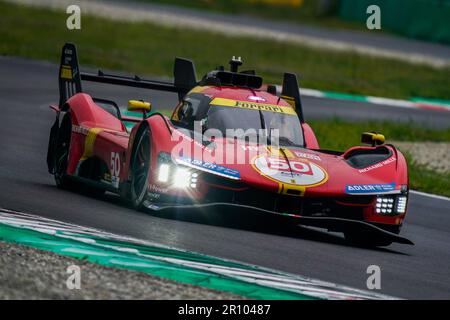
(231, 143)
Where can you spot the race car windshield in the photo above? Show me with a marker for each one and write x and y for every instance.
(276, 125)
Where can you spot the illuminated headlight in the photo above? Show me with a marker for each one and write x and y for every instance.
(401, 204)
(194, 179)
(177, 176)
(385, 205)
(390, 205)
(184, 178)
(181, 178)
(163, 172)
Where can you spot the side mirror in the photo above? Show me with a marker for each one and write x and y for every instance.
(139, 105)
(372, 138)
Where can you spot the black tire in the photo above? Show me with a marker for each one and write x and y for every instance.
(139, 168)
(62, 156)
(62, 153)
(360, 239)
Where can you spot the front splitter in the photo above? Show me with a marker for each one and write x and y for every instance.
(329, 223)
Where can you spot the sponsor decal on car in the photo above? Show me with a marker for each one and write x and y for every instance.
(222, 102)
(377, 165)
(115, 169)
(80, 130)
(370, 188)
(307, 155)
(293, 172)
(153, 195)
(157, 189)
(210, 167)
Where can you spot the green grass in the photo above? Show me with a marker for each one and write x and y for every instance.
(144, 48)
(309, 12)
(337, 134)
(423, 179)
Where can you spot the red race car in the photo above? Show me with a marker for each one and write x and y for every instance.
(231, 144)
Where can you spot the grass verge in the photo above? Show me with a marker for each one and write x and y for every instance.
(144, 48)
(427, 180)
(340, 135)
(309, 12)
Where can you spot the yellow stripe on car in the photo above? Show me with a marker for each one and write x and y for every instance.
(89, 142)
(291, 189)
(198, 89)
(277, 152)
(223, 102)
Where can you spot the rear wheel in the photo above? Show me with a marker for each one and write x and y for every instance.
(62, 160)
(62, 153)
(139, 167)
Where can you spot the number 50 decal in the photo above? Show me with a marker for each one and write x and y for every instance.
(295, 172)
(115, 169)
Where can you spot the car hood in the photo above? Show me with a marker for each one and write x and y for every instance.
(295, 170)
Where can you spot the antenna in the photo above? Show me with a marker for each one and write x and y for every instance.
(235, 63)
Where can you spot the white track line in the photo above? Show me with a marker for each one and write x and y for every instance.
(434, 196)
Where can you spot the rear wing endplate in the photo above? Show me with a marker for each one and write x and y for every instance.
(69, 74)
(70, 77)
(291, 93)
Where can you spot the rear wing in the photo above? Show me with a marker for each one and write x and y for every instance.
(70, 77)
(184, 80)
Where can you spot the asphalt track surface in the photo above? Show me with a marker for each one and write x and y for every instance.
(26, 89)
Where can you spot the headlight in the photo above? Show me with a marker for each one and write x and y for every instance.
(179, 176)
(401, 204)
(384, 205)
(194, 179)
(163, 172)
(391, 205)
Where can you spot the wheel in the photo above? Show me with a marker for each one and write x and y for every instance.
(361, 239)
(62, 153)
(62, 159)
(139, 168)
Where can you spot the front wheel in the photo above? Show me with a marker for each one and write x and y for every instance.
(139, 167)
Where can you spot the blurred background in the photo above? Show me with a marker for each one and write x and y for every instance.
(420, 19)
